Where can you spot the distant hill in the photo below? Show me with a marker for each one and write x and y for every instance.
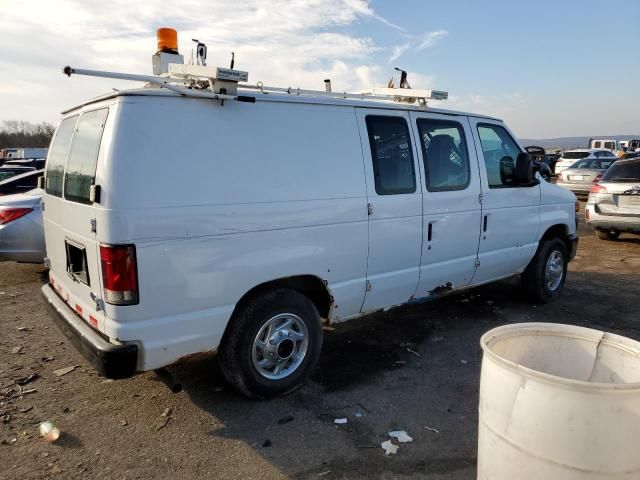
(570, 142)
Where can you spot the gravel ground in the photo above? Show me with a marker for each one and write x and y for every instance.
(414, 368)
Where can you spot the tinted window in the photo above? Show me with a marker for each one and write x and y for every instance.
(58, 155)
(20, 183)
(391, 155)
(610, 145)
(83, 156)
(597, 163)
(623, 172)
(574, 155)
(596, 144)
(500, 152)
(6, 173)
(446, 163)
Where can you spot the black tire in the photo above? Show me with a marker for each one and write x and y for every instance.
(534, 279)
(610, 235)
(236, 349)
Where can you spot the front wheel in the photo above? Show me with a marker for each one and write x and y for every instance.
(544, 277)
(607, 234)
(271, 344)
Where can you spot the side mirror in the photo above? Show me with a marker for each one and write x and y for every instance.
(523, 173)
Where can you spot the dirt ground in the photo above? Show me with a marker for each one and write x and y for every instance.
(414, 368)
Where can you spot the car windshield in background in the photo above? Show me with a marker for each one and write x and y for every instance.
(622, 172)
(574, 155)
(595, 163)
(11, 172)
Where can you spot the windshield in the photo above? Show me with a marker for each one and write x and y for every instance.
(574, 155)
(11, 172)
(623, 172)
(595, 163)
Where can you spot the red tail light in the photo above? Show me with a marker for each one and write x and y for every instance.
(10, 214)
(597, 188)
(597, 179)
(119, 274)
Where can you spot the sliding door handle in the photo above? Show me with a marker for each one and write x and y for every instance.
(484, 224)
(429, 232)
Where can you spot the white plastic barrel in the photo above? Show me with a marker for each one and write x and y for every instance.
(558, 402)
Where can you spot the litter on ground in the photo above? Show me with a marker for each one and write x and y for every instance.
(401, 436)
(340, 421)
(389, 448)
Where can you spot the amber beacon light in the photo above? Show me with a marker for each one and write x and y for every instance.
(167, 40)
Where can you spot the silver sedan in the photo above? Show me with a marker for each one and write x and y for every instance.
(21, 231)
(614, 202)
(580, 176)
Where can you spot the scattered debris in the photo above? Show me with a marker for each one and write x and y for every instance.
(322, 474)
(26, 392)
(327, 328)
(167, 412)
(389, 448)
(358, 414)
(267, 443)
(163, 423)
(434, 430)
(464, 362)
(23, 329)
(437, 339)
(124, 423)
(401, 436)
(411, 350)
(340, 421)
(25, 410)
(48, 359)
(63, 371)
(286, 419)
(17, 349)
(45, 454)
(29, 378)
(49, 431)
(5, 418)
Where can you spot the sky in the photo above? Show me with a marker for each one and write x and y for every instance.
(548, 68)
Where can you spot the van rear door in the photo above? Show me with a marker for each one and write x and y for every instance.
(69, 213)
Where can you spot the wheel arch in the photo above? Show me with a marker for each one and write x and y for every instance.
(560, 231)
(311, 286)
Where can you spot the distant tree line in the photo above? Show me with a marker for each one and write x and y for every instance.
(18, 133)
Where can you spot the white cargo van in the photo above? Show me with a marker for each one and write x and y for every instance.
(177, 225)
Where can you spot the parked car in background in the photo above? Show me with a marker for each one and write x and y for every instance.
(614, 201)
(21, 231)
(580, 176)
(20, 183)
(569, 157)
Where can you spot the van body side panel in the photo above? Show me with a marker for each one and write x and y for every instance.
(219, 199)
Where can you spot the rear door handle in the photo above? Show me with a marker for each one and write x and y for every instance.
(484, 225)
(429, 232)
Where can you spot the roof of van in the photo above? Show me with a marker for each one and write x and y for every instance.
(290, 98)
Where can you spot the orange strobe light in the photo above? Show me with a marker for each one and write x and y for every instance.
(167, 40)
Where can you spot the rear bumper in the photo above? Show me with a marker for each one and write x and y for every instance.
(581, 188)
(573, 246)
(620, 223)
(111, 361)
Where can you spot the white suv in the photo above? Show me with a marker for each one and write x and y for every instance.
(569, 157)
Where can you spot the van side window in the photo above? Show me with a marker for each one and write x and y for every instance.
(392, 158)
(444, 149)
(58, 155)
(596, 144)
(83, 156)
(500, 152)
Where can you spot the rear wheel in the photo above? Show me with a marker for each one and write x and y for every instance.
(544, 277)
(607, 234)
(272, 344)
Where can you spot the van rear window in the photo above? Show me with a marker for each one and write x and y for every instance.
(58, 155)
(83, 156)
